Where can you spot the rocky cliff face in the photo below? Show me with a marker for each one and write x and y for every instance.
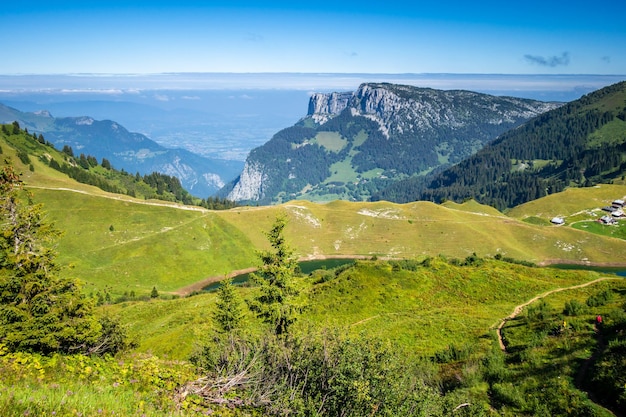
(400, 130)
(322, 107)
(398, 108)
(250, 183)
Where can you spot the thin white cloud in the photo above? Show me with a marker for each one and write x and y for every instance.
(312, 82)
(86, 90)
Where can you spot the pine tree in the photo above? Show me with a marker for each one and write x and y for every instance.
(228, 315)
(38, 310)
(276, 304)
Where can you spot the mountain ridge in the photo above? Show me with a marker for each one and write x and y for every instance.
(352, 144)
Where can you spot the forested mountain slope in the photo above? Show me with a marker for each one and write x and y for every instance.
(51, 168)
(352, 145)
(579, 144)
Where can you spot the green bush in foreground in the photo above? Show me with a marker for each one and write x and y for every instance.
(318, 374)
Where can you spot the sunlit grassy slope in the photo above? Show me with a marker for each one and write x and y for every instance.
(422, 307)
(423, 310)
(570, 202)
(422, 228)
(133, 247)
(580, 208)
(128, 245)
(123, 244)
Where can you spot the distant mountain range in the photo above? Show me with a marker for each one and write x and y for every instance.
(353, 145)
(132, 152)
(386, 142)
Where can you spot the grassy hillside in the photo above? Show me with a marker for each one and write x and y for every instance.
(120, 244)
(432, 317)
(425, 229)
(439, 315)
(558, 356)
(54, 166)
(428, 308)
(420, 307)
(570, 202)
(133, 247)
(580, 208)
(125, 245)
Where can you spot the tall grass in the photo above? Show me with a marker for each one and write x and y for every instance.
(131, 385)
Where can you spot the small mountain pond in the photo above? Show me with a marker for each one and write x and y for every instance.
(306, 267)
(619, 271)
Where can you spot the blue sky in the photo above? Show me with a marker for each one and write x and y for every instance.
(122, 37)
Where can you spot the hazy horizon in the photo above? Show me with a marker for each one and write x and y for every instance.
(561, 87)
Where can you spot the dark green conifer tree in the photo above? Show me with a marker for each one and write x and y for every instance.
(228, 315)
(38, 310)
(276, 303)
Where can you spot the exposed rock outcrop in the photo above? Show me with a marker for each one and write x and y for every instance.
(398, 108)
(250, 184)
(322, 107)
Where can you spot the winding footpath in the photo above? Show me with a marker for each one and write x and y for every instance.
(124, 198)
(518, 309)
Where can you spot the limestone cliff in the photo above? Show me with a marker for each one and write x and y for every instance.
(250, 184)
(323, 107)
(399, 108)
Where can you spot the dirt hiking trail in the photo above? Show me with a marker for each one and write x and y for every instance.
(518, 309)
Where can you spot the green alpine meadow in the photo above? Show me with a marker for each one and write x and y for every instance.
(123, 295)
